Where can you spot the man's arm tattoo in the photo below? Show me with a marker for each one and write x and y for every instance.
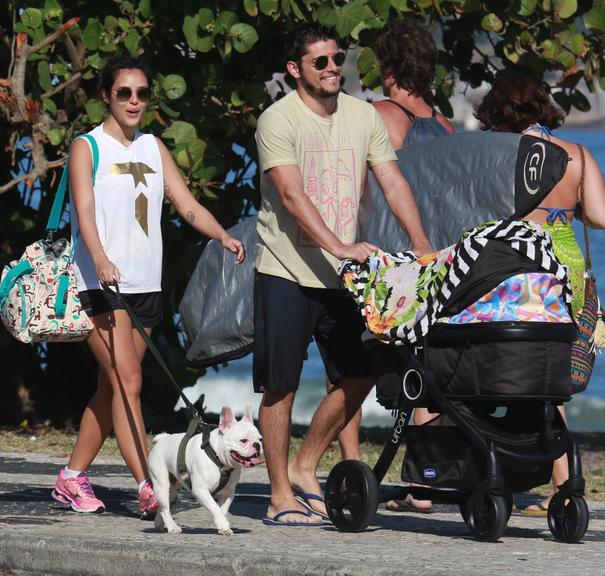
(190, 216)
(384, 171)
(169, 194)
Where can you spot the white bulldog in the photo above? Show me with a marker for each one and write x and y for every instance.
(236, 445)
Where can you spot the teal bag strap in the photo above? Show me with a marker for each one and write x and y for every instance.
(22, 268)
(57, 208)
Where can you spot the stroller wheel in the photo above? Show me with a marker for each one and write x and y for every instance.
(351, 496)
(509, 508)
(568, 517)
(486, 515)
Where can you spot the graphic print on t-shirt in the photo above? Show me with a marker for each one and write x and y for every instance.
(136, 169)
(330, 182)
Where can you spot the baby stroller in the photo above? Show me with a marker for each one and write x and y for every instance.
(495, 388)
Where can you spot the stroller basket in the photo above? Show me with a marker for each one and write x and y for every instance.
(502, 361)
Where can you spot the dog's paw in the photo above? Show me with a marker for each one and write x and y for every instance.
(176, 529)
(225, 531)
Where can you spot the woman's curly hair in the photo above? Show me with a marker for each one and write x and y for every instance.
(515, 102)
(406, 50)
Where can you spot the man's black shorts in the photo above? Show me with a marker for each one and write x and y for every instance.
(147, 306)
(286, 316)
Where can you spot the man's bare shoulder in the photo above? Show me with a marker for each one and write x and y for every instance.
(446, 123)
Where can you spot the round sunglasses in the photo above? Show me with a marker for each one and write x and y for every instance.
(321, 62)
(124, 94)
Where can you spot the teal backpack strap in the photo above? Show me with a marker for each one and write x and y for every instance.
(57, 208)
(21, 269)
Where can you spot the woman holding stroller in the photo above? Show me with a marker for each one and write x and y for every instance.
(516, 103)
(118, 219)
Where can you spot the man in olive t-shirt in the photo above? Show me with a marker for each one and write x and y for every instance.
(314, 147)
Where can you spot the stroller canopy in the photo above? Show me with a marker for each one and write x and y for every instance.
(458, 181)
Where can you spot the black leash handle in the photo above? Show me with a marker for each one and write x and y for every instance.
(152, 347)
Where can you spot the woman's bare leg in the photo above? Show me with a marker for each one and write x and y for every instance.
(97, 420)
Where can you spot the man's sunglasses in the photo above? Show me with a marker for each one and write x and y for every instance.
(321, 62)
(124, 94)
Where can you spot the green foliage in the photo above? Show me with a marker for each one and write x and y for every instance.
(212, 60)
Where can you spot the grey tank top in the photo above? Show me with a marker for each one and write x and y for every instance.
(421, 128)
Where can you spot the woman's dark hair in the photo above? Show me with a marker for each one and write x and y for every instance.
(121, 62)
(515, 102)
(406, 50)
(303, 36)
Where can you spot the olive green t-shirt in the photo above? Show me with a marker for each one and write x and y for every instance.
(332, 154)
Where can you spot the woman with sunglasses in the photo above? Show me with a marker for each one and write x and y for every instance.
(117, 222)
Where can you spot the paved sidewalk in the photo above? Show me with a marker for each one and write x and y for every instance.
(39, 537)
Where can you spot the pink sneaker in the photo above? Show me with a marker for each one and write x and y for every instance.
(77, 492)
(147, 502)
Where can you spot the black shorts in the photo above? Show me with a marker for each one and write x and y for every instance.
(147, 306)
(286, 316)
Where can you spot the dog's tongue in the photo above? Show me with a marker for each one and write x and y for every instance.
(255, 461)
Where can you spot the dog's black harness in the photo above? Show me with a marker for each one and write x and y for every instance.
(181, 467)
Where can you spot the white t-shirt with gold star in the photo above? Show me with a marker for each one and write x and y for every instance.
(128, 190)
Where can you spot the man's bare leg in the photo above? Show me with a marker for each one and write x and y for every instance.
(275, 423)
(334, 412)
(348, 438)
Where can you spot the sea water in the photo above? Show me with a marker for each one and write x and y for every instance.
(232, 385)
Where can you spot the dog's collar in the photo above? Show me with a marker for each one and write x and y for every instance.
(181, 466)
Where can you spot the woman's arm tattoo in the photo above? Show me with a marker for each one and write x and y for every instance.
(190, 216)
(168, 193)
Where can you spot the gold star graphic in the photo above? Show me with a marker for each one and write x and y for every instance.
(136, 169)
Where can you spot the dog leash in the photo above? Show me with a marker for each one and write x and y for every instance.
(115, 291)
(196, 421)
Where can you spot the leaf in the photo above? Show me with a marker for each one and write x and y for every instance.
(348, 17)
(145, 8)
(206, 19)
(174, 86)
(566, 58)
(180, 131)
(167, 110)
(190, 26)
(401, 5)
(268, 7)
(251, 7)
(550, 49)
(53, 10)
(44, 76)
(565, 8)
(132, 42)
(96, 61)
(562, 100)
(91, 34)
(578, 44)
(527, 7)
(32, 17)
(191, 153)
(492, 23)
(205, 44)
(594, 19)
(511, 53)
(244, 37)
(366, 60)
(326, 15)
(95, 110)
(579, 101)
(56, 135)
(226, 20)
(49, 106)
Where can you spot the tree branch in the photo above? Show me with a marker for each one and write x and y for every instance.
(54, 36)
(33, 175)
(63, 85)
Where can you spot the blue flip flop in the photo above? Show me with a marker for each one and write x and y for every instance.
(275, 520)
(305, 497)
